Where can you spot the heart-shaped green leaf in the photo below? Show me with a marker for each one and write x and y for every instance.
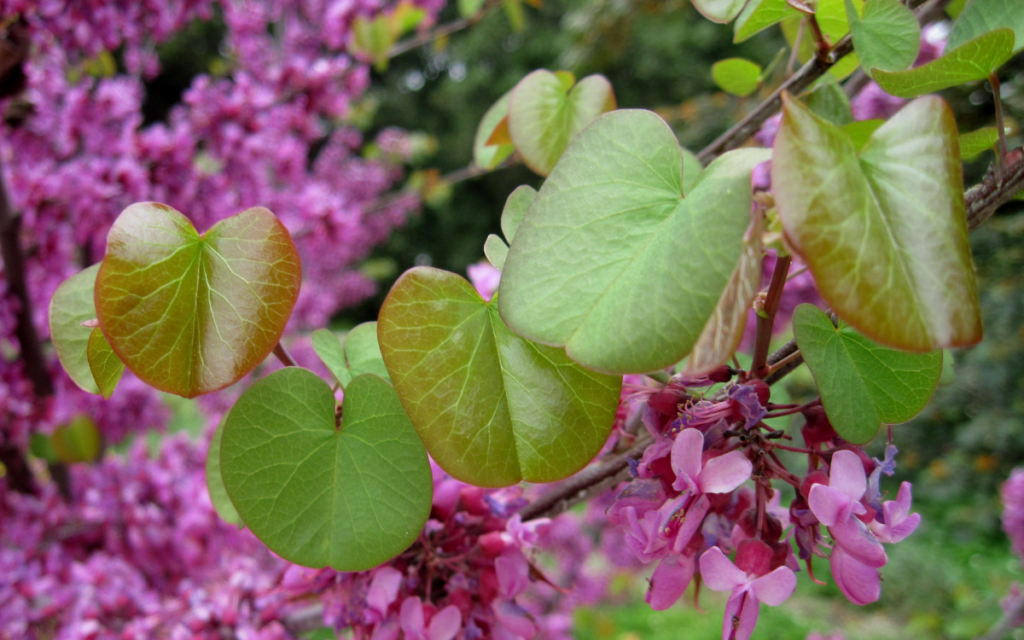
(887, 35)
(515, 209)
(489, 156)
(189, 313)
(975, 143)
(974, 60)
(215, 483)
(758, 16)
(543, 117)
(858, 223)
(719, 10)
(360, 353)
(492, 408)
(106, 367)
(612, 262)
(828, 100)
(863, 384)
(350, 497)
(71, 305)
(737, 76)
(981, 16)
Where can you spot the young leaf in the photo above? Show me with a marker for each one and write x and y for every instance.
(719, 10)
(469, 8)
(981, 16)
(189, 313)
(543, 118)
(974, 60)
(360, 354)
(613, 263)
(71, 305)
(828, 100)
(975, 143)
(515, 208)
(496, 251)
(863, 384)
(316, 494)
(491, 407)
(886, 37)
(736, 76)
(328, 348)
(758, 16)
(858, 223)
(724, 329)
(215, 483)
(488, 156)
(860, 131)
(103, 362)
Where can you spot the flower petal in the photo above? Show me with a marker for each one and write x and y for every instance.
(410, 617)
(383, 588)
(669, 581)
(724, 473)
(513, 573)
(847, 475)
(719, 573)
(445, 624)
(691, 524)
(774, 588)
(750, 607)
(860, 583)
(686, 453)
(828, 505)
(855, 538)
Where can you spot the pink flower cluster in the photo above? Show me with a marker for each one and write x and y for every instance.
(688, 509)
(269, 132)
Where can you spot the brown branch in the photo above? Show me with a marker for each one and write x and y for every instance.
(766, 318)
(441, 31)
(998, 188)
(283, 355)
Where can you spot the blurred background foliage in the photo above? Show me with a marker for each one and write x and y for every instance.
(945, 581)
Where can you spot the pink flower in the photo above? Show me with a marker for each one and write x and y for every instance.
(513, 573)
(837, 506)
(859, 582)
(382, 592)
(443, 626)
(669, 581)
(718, 475)
(748, 589)
(485, 278)
(898, 521)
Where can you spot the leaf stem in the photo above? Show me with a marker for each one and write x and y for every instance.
(283, 355)
(766, 319)
(442, 31)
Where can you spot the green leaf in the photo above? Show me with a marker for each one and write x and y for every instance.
(858, 223)
(948, 375)
(469, 8)
(975, 60)
(373, 38)
(724, 329)
(886, 37)
(758, 16)
(488, 156)
(515, 208)
(543, 118)
(191, 314)
(975, 143)
(491, 407)
(736, 76)
(719, 10)
(860, 131)
(360, 354)
(692, 168)
(515, 14)
(496, 251)
(831, 17)
(828, 100)
(612, 262)
(318, 495)
(863, 384)
(215, 483)
(77, 441)
(330, 351)
(981, 16)
(71, 305)
(106, 367)
(955, 8)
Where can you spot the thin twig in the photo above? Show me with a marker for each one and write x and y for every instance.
(283, 355)
(998, 188)
(441, 31)
(766, 318)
